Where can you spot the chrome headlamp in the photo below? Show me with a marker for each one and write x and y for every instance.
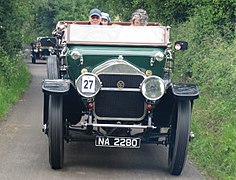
(159, 56)
(88, 84)
(75, 54)
(51, 50)
(153, 88)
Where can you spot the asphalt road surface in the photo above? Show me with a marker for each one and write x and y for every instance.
(24, 149)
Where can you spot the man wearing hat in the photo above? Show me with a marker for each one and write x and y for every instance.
(95, 17)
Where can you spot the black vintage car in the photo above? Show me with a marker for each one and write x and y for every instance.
(112, 85)
(41, 48)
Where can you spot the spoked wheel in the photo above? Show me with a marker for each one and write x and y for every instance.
(56, 132)
(179, 137)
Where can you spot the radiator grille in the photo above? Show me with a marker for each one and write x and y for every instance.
(120, 105)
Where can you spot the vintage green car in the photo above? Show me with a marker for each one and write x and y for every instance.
(111, 85)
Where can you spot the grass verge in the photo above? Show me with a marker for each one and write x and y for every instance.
(214, 148)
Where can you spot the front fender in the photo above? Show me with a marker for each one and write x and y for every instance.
(56, 86)
(185, 91)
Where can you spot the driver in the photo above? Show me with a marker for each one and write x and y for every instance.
(95, 17)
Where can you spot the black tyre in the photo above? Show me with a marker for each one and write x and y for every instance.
(52, 67)
(56, 132)
(52, 73)
(179, 137)
(33, 59)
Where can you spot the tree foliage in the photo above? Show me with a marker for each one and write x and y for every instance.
(15, 24)
(21, 21)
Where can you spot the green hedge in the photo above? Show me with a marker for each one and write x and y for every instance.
(210, 62)
(14, 78)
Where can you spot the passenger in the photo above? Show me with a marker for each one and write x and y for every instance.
(136, 20)
(95, 17)
(105, 18)
(139, 18)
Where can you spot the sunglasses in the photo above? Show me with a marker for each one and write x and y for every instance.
(95, 17)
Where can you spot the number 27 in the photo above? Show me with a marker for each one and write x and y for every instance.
(88, 84)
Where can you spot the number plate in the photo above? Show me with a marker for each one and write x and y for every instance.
(123, 142)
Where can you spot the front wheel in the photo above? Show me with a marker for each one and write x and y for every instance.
(52, 73)
(33, 59)
(56, 132)
(179, 137)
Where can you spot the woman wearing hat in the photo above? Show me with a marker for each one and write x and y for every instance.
(105, 18)
(139, 18)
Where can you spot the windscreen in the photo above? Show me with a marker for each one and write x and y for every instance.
(49, 41)
(123, 35)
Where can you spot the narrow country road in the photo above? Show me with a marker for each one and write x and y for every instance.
(24, 149)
